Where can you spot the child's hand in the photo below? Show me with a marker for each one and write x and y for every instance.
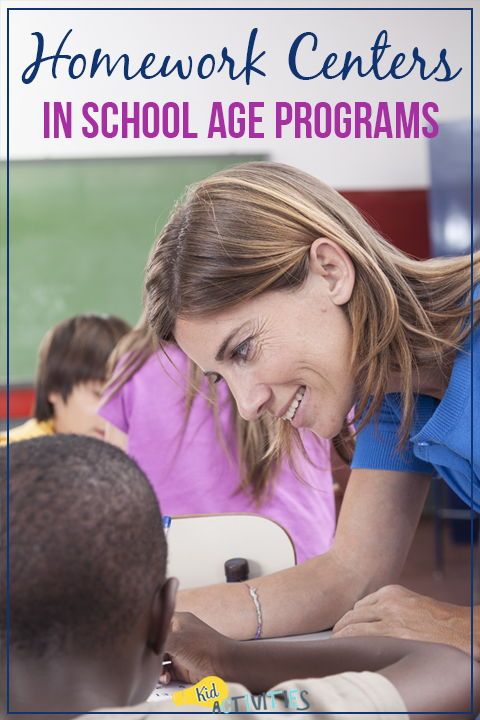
(197, 650)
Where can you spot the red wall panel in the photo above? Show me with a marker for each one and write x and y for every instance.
(401, 216)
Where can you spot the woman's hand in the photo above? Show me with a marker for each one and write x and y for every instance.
(197, 650)
(394, 611)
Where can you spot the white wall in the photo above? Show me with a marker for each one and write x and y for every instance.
(346, 163)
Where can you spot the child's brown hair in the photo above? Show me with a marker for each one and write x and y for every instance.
(72, 352)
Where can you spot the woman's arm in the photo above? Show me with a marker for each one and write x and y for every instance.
(379, 516)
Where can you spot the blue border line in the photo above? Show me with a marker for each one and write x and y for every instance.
(240, 9)
(7, 619)
(472, 575)
(472, 514)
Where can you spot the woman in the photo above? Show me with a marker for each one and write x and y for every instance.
(270, 279)
(201, 456)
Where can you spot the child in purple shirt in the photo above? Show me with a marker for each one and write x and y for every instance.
(191, 458)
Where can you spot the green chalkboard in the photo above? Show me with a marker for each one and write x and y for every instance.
(80, 233)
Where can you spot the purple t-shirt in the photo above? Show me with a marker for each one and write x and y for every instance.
(190, 469)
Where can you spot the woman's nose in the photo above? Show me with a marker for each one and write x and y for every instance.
(251, 401)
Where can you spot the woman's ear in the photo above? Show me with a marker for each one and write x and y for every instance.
(163, 606)
(335, 266)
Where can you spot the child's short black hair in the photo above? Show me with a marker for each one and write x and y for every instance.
(72, 352)
(86, 545)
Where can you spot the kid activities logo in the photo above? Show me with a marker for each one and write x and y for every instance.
(212, 692)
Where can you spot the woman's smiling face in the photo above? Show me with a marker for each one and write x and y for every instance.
(286, 353)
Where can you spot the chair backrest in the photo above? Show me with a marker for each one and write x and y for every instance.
(199, 545)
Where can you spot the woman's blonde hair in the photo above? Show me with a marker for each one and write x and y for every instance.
(249, 229)
(256, 461)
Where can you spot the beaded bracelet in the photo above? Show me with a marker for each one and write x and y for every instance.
(253, 594)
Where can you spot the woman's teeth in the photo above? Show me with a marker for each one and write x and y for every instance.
(290, 414)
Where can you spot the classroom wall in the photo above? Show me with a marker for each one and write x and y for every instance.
(349, 163)
(80, 237)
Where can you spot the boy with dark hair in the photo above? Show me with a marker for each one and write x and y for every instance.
(89, 610)
(71, 373)
(89, 604)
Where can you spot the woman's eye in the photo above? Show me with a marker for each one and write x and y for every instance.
(215, 378)
(241, 352)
